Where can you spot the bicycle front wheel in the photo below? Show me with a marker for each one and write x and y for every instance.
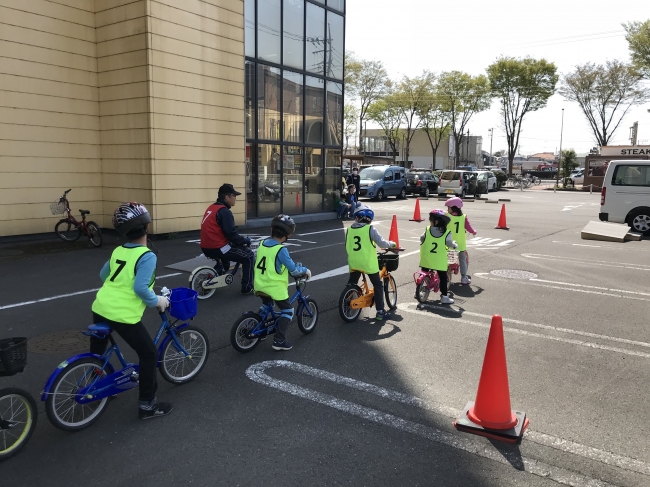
(18, 415)
(67, 231)
(390, 292)
(307, 323)
(94, 234)
(422, 290)
(61, 405)
(240, 331)
(197, 279)
(178, 368)
(350, 293)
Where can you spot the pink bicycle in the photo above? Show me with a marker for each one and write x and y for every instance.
(70, 229)
(427, 281)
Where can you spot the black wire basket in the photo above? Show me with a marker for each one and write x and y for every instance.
(390, 260)
(13, 355)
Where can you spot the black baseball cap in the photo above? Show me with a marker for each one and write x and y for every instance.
(228, 189)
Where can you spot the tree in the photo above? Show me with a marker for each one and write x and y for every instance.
(366, 81)
(465, 95)
(350, 116)
(410, 97)
(522, 85)
(435, 121)
(387, 114)
(638, 38)
(605, 93)
(567, 164)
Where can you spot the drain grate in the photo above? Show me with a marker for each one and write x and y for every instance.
(70, 341)
(513, 274)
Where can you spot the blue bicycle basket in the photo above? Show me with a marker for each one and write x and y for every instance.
(183, 303)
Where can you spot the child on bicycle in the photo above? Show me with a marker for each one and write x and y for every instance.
(361, 241)
(459, 225)
(272, 268)
(128, 279)
(433, 250)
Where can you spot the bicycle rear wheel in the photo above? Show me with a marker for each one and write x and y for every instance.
(390, 292)
(67, 231)
(94, 234)
(422, 290)
(18, 417)
(177, 368)
(240, 331)
(350, 293)
(200, 276)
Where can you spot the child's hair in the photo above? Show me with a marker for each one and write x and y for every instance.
(351, 187)
(136, 233)
(456, 211)
(277, 233)
(438, 222)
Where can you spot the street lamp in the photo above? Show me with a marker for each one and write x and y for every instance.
(559, 161)
(491, 130)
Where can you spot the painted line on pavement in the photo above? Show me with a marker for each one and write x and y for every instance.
(408, 308)
(470, 444)
(627, 247)
(602, 263)
(52, 298)
(333, 230)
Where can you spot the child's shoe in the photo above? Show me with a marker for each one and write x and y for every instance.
(446, 300)
(284, 346)
(382, 315)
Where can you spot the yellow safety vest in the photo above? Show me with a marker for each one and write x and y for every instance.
(457, 227)
(267, 279)
(362, 255)
(433, 251)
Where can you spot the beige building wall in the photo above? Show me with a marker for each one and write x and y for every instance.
(119, 100)
(49, 112)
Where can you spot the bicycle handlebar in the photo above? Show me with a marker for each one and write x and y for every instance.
(66, 192)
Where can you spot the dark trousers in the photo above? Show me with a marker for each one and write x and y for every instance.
(376, 283)
(138, 338)
(242, 255)
(283, 323)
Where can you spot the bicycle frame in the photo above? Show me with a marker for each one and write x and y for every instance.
(368, 297)
(270, 315)
(222, 280)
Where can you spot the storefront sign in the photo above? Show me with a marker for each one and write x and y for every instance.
(625, 150)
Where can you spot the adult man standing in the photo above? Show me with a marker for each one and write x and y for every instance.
(354, 178)
(220, 240)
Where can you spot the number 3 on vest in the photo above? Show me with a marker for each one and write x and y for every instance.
(357, 243)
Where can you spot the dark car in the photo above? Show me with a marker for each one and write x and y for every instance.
(422, 183)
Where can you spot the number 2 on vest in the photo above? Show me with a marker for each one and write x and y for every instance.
(120, 266)
(357, 243)
(261, 265)
(435, 248)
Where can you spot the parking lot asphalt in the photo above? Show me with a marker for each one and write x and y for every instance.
(577, 345)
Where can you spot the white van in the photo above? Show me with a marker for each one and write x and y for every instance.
(625, 197)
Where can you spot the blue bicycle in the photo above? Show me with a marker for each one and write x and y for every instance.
(252, 327)
(77, 392)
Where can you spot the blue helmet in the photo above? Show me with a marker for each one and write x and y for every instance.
(364, 213)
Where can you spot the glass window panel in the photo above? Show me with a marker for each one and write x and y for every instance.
(249, 30)
(251, 185)
(292, 167)
(268, 30)
(249, 99)
(268, 180)
(322, 2)
(269, 83)
(334, 132)
(314, 103)
(292, 106)
(333, 175)
(336, 5)
(294, 33)
(313, 179)
(334, 50)
(315, 35)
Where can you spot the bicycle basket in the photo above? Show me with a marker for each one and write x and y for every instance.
(391, 261)
(452, 257)
(183, 303)
(57, 208)
(13, 355)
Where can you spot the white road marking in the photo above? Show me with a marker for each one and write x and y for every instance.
(628, 246)
(483, 243)
(408, 308)
(332, 230)
(602, 263)
(85, 291)
(474, 445)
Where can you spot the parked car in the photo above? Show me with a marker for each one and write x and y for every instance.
(421, 182)
(486, 182)
(378, 182)
(459, 183)
(577, 177)
(625, 197)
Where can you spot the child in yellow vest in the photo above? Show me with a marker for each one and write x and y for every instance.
(433, 250)
(459, 225)
(361, 240)
(272, 268)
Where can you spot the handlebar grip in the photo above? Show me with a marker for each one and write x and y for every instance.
(68, 191)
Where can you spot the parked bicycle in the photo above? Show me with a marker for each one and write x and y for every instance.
(18, 413)
(427, 281)
(251, 327)
(205, 279)
(354, 297)
(70, 229)
(77, 392)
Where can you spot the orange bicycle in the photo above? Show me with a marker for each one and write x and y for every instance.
(69, 229)
(354, 297)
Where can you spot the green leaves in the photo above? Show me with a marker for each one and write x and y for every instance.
(638, 38)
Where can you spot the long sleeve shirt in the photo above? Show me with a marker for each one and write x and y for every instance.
(145, 269)
(226, 221)
(436, 232)
(468, 226)
(295, 269)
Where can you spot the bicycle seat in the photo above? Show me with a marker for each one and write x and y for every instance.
(84, 212)
(100, 329)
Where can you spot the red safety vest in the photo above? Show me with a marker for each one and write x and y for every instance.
(212, 236)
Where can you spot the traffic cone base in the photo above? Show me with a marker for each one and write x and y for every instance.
(416, 212)
(502, 225)
(511, 435)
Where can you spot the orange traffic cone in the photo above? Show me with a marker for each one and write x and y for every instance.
(393, 237)
(491, 415)
(416, 212)
(298, 205)
(502, 219)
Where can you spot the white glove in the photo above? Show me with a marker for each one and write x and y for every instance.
(308, 274)
(163, 303)
(392, 244)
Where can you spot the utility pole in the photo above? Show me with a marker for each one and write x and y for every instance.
(467, 156)
(491, 130)
(557, 177)
(634, 129)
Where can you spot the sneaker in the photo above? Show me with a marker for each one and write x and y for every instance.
(382, 315)
(156, 411)
(285, 345)
(465, 280)
(446, 300)
(249, 291)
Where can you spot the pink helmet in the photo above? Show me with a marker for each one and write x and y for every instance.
(455, 201)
